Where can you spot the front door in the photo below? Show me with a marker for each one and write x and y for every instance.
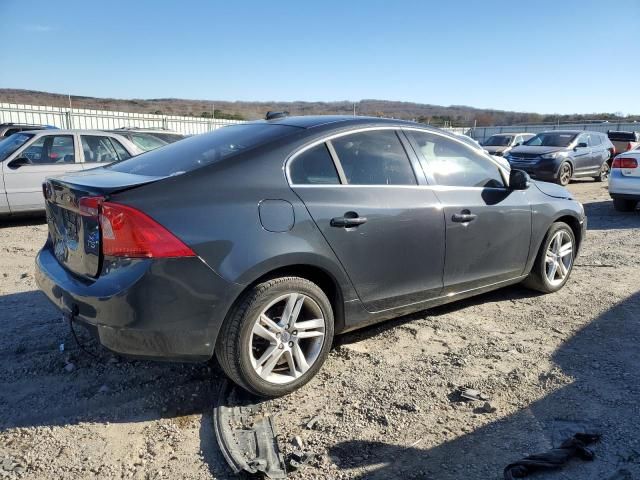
(488, 226)
(45, 155)
(386, 230)
(582, 156)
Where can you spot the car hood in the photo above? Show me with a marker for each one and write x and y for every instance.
(494, 149)
(536, 150)
(552, 190)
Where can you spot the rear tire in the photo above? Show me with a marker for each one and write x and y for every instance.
(603, 175)
(543, 276)
(624, 205)
(564, 174)
(266, 347)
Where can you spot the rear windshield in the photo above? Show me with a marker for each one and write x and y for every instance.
(12, 143)
(195, 152)
(551, 140)
(498, 141)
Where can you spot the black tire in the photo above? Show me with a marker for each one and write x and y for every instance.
(537, 279)
(603, 175)
(233, 348)
(624, 205)
(565, 173)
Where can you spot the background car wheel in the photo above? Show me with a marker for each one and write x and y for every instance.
(554, 262)
(624, 205)
(277, 337)
(603, 175)
(564, 174)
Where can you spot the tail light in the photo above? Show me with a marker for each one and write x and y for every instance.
(127, 232)
(624, 162)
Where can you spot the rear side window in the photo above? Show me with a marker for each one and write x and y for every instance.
(456, 165)
(596, 140)
(374, 158)
(101, 149)
(201, 150)
(314, 167)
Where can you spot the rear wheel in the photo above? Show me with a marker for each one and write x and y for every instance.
(564, 174)
(603, 175)
(554, 262)
(277, 337)
(624, 205)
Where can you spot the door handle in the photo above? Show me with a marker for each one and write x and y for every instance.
(465, 216)
(350, 219)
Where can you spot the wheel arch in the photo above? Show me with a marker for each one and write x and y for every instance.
(576, 228)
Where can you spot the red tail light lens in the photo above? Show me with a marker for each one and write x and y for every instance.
(127, 232)
(624, 162)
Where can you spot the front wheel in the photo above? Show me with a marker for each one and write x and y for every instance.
(277, 337)
(564, 174)
(554, 262)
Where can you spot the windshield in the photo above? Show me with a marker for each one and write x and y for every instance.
(551, 140)
(146, 142)
(12, 143)
(200, 150)
(498, 141)
(168, 137)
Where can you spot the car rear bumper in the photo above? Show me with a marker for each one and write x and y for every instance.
(166, 309)
(624, 186)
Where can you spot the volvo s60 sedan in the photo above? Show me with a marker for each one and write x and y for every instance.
(258, 242)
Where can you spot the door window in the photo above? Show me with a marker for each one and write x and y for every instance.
(454, 164)
(99, 149)
(50, 149)
(583, 138)
(120, 150)
(374, 158)
(596, 140)
(314, 167)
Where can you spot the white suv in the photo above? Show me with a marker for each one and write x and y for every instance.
(624, 181)
(27, 158)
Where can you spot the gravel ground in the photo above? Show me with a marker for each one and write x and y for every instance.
(384, 405)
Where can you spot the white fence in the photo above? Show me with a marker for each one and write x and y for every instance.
(105, 119)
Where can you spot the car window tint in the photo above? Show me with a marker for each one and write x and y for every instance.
(120, 150)
(200, 150)
(98, 149)
(374, 158)
(147, 142)
(314, 167)
(454, 164)
(51, 149)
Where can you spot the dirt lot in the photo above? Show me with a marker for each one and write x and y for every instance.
(384, 404)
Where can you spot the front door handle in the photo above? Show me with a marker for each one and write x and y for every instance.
(350, 219)
(465, 216)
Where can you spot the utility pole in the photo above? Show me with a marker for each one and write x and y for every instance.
(354, 109)
(69, 95)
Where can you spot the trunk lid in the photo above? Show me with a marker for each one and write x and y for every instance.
(76, 235)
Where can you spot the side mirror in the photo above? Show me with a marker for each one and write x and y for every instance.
(581, 145)
(18, 162)
(519, 180)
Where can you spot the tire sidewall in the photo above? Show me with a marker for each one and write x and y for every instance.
(256, 383)
(541, 264)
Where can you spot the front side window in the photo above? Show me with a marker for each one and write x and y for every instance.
(51, 149)
(454, 164)
(374, 158)
(314, 167)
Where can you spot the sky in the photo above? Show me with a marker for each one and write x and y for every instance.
(542, 56)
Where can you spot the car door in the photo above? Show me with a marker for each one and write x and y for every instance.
(25, 171)
(599, 152)
(582, 156)
(488, 226)
(100, 150)
(386, 229)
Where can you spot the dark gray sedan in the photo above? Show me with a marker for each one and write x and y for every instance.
(259, 242)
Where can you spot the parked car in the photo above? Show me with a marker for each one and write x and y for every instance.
(7, 129)
(560, 155)
(501, 143)
(624, 182)
(28, 157)
(623, 141)
(258, 242)
(148, 139)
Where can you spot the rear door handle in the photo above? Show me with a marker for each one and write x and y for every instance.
(350, 219)
(465, 216)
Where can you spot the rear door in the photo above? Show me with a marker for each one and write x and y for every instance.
(599, 151)
(47, 155)
(488, 227)
(368, 198)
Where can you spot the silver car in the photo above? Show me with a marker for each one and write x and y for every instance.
(27, 158)
(624, 181)
(501, 143)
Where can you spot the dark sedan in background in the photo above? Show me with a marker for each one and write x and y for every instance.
(258, 242)
(560, 155)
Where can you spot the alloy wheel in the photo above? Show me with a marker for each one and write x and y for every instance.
(604, 172)
(559, 258)
(565, 174)
(287, 338)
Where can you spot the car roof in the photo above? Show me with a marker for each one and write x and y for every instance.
(512, 133)
(311, 121)
(68, 132)
(142, 130)
(574, 132)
